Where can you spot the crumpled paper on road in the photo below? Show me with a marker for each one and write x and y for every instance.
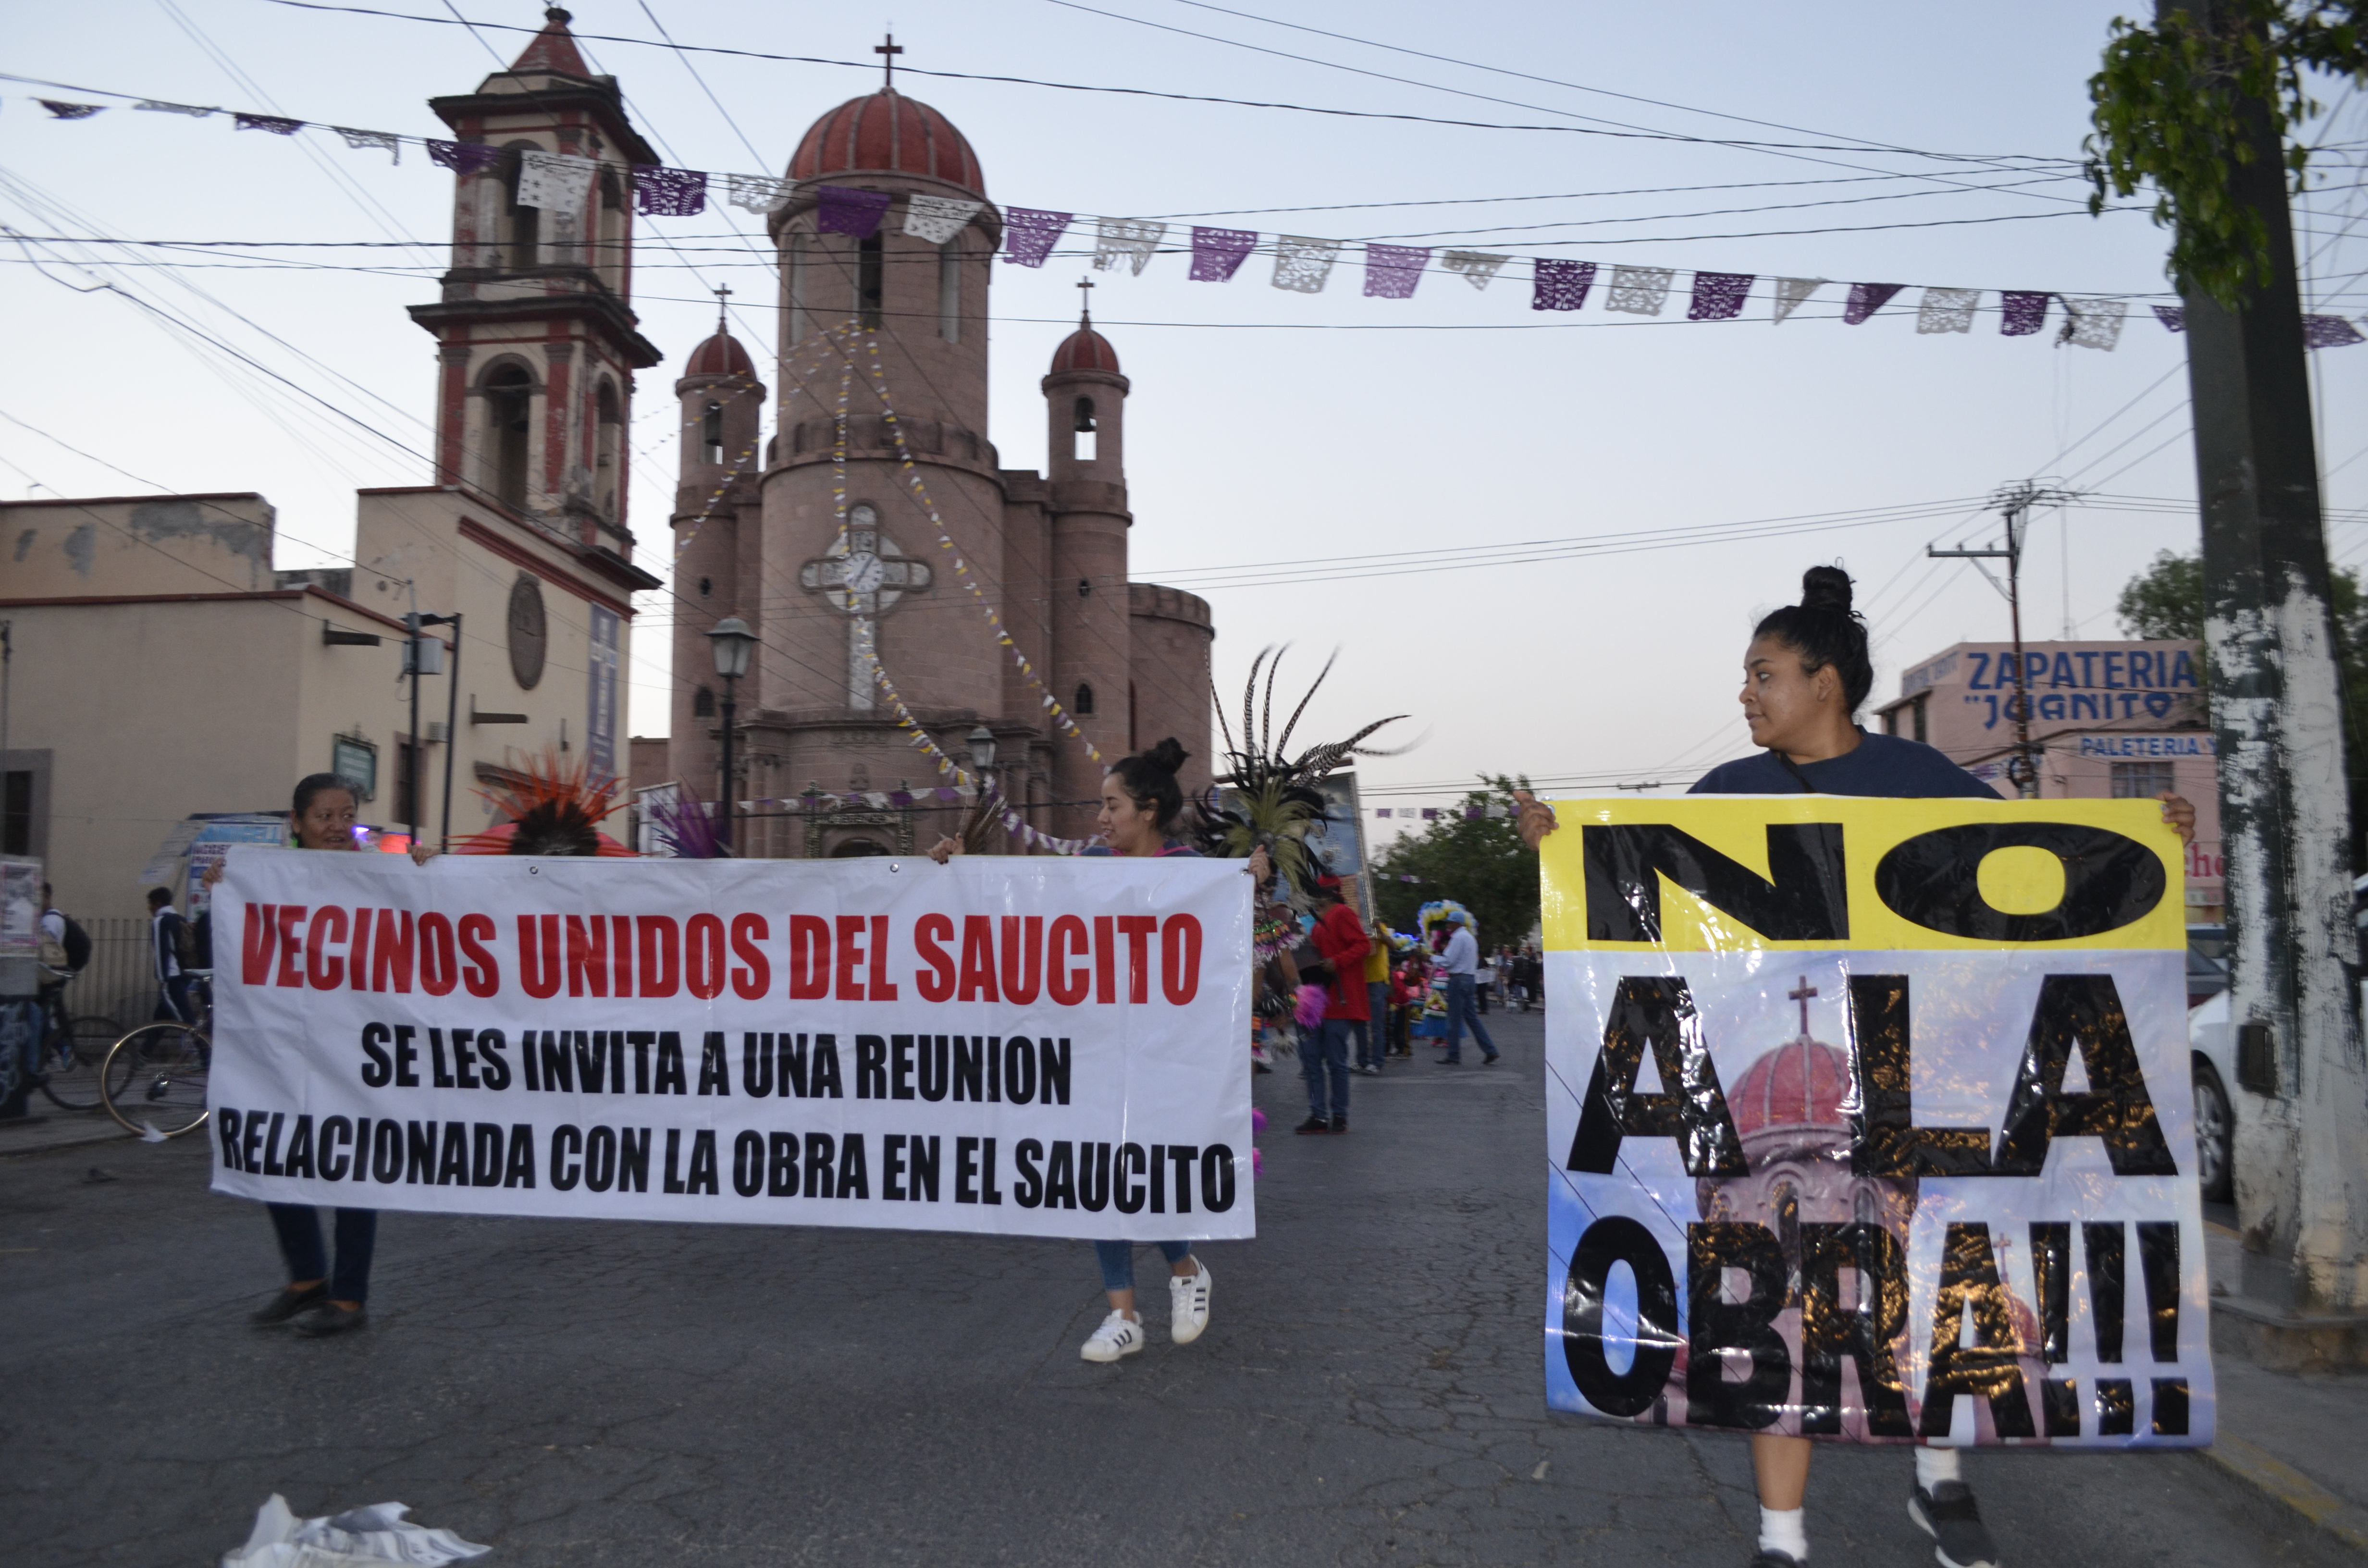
(357, 1537)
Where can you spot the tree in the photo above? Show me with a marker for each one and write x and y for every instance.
(2177, 107)
(2166, 600)
(1477, 860)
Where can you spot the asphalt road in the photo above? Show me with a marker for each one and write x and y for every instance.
(1369, 1391)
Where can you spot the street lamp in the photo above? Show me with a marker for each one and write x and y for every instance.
(981, 741)
(733, 642)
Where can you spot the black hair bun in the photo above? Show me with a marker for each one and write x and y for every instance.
(1825, 589)
(1168, 757)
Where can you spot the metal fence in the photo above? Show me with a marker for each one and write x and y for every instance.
(119, 982)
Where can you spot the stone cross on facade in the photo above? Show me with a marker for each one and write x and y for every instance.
(862, 575)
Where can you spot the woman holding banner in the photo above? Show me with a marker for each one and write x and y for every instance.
(1805, 675)
(1142, 807)
(319, 1299)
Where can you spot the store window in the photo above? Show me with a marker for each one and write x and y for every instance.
(2141, 780)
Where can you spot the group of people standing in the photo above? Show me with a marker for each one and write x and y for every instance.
(1806, 673)
(1359, 1004)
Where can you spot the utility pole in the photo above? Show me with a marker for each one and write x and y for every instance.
(451, 717)
(422, 656)
(2015, 501)
(2301, 1113)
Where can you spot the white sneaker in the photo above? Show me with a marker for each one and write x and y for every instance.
(1188, 1305)
(1119, 1335)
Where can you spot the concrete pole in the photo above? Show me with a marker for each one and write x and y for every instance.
(2301, 1136)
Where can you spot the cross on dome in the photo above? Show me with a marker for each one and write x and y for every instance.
(1801, 996)
(1084, 302)
(722, 292)
(888, 53)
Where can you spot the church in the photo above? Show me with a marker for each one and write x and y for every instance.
(872, 531)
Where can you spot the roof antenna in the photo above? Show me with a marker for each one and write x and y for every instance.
(888, 53)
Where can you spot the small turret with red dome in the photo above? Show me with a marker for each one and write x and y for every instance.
(721, 399)
(1085, 350)
(719, 355)
(1086, 394)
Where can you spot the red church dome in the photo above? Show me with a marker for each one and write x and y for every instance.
(887, 133)
(719, 356)
(1800, 1084)
(1085, 350)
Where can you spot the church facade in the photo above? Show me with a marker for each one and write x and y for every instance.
(872, 531)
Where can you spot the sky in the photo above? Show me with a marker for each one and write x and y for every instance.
(1413, 452)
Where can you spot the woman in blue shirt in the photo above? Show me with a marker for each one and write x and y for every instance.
(1142, 807)
(1805, 677)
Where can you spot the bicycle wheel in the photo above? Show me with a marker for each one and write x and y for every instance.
(155, 1078)
(73, 1065)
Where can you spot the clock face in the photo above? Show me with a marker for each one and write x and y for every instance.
(865, 573)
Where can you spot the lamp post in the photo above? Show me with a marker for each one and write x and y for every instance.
(733, 642)
(981, 741)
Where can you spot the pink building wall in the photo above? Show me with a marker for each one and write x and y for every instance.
(2108, 719)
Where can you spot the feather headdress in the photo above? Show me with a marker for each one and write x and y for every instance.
(1269, 797)
(687, 825)
(553, 808)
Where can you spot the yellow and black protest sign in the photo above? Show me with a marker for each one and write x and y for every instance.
(1872, 1119)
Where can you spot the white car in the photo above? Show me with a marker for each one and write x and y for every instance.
(2211, 1049)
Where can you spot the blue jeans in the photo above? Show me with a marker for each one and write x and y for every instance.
(1461, 1011)
(299, 1227)
(1117, 1259)
(1323, 1057)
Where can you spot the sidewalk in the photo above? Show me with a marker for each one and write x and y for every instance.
(50, 1127)
(2295, 1438)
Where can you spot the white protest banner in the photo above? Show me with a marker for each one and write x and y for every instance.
(1872, 1121)
(1011, 1046)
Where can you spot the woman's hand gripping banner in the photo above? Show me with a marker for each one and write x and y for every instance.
(1870, 1120)
(1024, 1047)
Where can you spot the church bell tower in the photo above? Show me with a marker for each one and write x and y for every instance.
(1084, 496)
(536, 336)
(718, 547)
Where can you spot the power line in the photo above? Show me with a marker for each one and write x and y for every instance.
(1127, 92)
(1619, 127)
(1574, 86)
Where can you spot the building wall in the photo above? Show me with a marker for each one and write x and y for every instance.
(1173, 643)
(2107, 717)
(472, 560)
(175, 544)
(213, 705)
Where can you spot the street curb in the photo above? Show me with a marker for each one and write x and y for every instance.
(2283, 1484)
(101, 1131)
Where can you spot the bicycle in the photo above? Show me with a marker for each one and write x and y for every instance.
(154, 1079)
(73, 1049)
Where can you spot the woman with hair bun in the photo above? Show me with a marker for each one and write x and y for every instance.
(1805, 677)
(1143, 805)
